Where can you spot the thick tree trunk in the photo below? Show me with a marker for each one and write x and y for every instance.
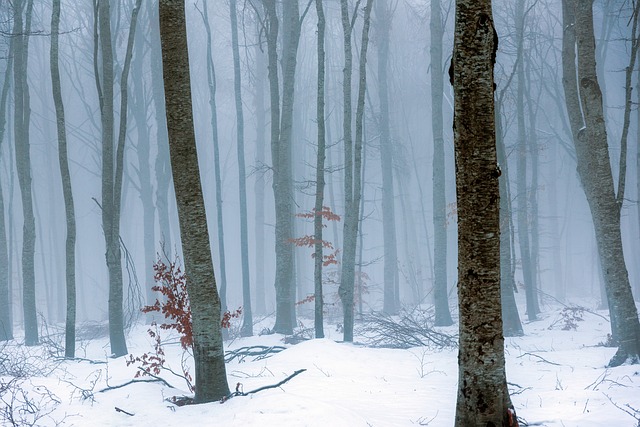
(247, 321)
(208, 352)
(594, 169)
(440, 294)
(70, 247)
(23, 166)
(320, 160)
(483, 397)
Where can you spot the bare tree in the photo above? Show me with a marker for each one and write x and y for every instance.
(353, 161)
(483, 397)
(440, 294)
(584, 106)
(208, 352)
(21, 29)
(70, 246)
(247, 321)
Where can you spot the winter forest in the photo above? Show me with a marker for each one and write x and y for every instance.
(319, 212)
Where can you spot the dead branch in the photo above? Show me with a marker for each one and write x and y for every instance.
(258, 352)
(239, 391)
(408, 329)
(123, 411)
(154, 380)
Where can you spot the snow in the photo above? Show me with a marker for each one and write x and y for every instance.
(557, 378)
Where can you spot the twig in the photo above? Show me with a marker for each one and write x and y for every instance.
(539, 357)
(124, 412)
(239, 392)
(154, 380)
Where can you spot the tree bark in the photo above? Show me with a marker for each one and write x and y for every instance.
(440, 294)
(70, 246)
(483, 398)
(208, 352)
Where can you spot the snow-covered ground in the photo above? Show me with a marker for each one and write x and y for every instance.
(557, 378)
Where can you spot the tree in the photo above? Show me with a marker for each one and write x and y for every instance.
(320, 160)
(213, 86)
(70, 246)
(281, 126)
(483, 397)
(391, 301)
(585, 109)
(522, 199)
(6, 323)
(247, 321)
(440, 294)
(208, 352)
(21, 29)
(353, 161)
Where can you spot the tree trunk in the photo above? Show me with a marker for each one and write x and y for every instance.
(281, 123)
(440, 294)
(511, 324)
(162, 162)
(320, 159)
(208, 352)
(483, 398)
(70, 247)
(521, 190)
(23, 166)
(353, 165)
(213, 86)
(594, 169)
(6, 321)
(391, 300)
(247, 321)
(259, 189)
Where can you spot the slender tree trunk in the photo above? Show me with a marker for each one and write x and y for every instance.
(383, 27)
(70, 247)
(6, 318)
(208, 352)
(247, 322)
(213, 86)
(259, 189)
(353, 165)
(594, 169)
(23, 165)
(521, 190)
(442, 313)
(320, 160)
(162, 161)
(511, 324)
(483, 397)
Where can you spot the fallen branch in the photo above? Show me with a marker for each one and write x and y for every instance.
(539, 357)
(239, 391)
(258, 352)
(124, 412)
(154, 380)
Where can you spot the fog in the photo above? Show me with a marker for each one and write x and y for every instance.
(559, 223)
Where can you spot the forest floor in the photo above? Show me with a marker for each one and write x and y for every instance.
(556, 374)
